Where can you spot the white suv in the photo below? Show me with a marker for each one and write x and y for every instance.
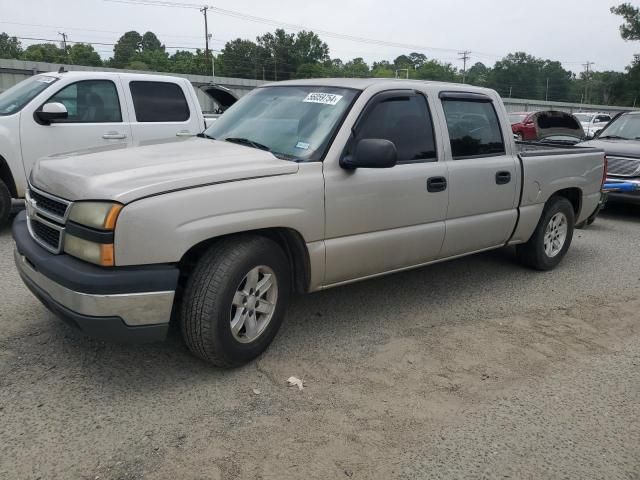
(592, 122)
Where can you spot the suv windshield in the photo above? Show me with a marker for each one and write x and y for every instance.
(293, 122)
(13, 99)
(583, 117)
(625, 127)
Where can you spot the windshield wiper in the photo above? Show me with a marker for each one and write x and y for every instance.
(247, 142)
(614, 137)
(205, 135)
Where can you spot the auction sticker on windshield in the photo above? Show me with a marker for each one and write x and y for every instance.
(323, 98)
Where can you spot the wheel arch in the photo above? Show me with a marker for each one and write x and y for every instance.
(7, 177)
(574, 195)
(290, 240)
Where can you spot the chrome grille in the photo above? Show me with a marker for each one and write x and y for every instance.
(46, 234)
(46, 216)
(48, 204)
(625, 167)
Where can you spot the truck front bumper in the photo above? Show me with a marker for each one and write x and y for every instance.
(630, 197)
(129, 304)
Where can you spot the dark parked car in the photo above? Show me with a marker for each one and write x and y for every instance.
(620, 140)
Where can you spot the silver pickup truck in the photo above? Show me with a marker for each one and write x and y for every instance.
(300, 186)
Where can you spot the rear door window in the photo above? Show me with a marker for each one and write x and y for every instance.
(159, 102)
(403, 119)
(474, 128)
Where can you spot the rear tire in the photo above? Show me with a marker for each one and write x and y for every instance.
(551, 238)
(235, 300)
(5, 204)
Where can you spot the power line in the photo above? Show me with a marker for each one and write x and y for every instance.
(105, 43)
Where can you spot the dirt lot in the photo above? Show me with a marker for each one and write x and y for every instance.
(471, 369)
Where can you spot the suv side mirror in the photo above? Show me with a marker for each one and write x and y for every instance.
(51, 112)
(371, 153)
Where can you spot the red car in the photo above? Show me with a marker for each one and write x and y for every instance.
(523, 126)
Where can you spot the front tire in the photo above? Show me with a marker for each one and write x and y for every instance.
(235, 300)
(5, 204)
(551, 238)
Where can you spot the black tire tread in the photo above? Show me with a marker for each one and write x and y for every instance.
(204, 285)
(529, 253)
(5, 204)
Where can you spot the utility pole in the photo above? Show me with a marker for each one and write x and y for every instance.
(510, 90)
(546, 95)
(464, 57)
(587, 79)
(64, 44)
(206, 36)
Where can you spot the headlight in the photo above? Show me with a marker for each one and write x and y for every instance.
(93, 252)
(89, 232)
(100, 215)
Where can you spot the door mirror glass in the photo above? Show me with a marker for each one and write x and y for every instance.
(371, 153)
(51, 112)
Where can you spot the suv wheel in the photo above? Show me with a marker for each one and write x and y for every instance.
(551, 238)
(235, 300)
(5, 204)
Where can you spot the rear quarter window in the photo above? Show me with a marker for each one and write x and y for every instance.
(159, 102)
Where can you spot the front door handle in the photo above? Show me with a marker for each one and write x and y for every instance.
(436, 184)
(502, 178)
(114, 136)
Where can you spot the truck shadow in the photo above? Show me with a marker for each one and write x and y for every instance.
(621, 211)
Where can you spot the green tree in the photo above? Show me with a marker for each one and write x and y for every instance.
(150, 42)
(311, 70)
(382, 69)
(9, 46)
(630, 29)
(183, 61)
(243, 59)
(308, 48)
(44, 52)
(84, 54)
(125, 49)
(478, 74)
(517, 75)
(438, 71)
(356, 68)
(279, 49)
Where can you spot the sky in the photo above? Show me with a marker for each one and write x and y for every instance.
(571, 31)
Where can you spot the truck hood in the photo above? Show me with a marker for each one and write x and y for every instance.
(125, 175)
(616, 148)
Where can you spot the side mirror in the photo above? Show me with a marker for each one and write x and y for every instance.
(371, 153)
(51, 112)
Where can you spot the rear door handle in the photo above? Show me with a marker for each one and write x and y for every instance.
(185, 133)
(436, 184)
(502, 178)
(113, 135)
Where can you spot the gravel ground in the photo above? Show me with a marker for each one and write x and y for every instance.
(476, 368)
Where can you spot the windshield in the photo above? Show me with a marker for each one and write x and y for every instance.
(583, 117)
(13, 99)
(626, 127)
(293, 122)
(517, 117)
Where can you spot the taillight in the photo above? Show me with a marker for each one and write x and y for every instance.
(604, 173)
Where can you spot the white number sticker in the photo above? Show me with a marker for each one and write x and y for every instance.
(323, 98)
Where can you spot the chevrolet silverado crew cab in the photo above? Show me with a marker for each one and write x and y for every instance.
(300, 186)
(55, 113)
